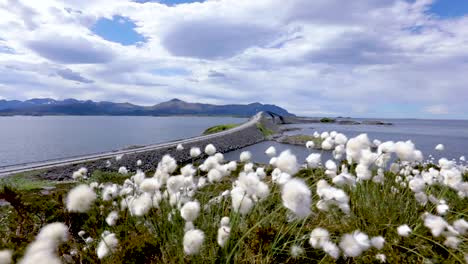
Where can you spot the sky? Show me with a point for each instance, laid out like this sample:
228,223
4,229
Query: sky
363,58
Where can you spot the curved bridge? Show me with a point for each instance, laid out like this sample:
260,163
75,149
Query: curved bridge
277,119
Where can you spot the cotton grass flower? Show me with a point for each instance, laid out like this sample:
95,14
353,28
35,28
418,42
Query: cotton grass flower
112,218
150,185
331,249
461,225
190,211
381,258
318,237
6,256
404,230
297,197
210,149
80,199
377,242
193,241
271,152
439,147
313,160
123,170
107,245
452,242
80,174
435,223
223,235
241,203
195,152
297,251
245,156
179,147
287,162
354,244
310,144
43,249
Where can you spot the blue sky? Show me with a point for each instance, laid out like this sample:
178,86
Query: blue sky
369,58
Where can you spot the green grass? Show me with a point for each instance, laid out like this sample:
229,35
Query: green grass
265,235
219,128
265,131
327,120
26,181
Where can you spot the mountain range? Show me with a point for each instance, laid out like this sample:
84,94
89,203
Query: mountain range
47,106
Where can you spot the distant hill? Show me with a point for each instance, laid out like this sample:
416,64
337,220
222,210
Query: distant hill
49,106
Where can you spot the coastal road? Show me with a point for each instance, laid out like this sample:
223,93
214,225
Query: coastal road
14,169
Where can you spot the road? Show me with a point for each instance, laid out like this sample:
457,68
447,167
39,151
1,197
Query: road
14,169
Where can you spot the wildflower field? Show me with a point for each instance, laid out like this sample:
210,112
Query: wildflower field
376,202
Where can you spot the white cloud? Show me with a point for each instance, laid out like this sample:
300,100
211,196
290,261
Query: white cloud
319,57
437,109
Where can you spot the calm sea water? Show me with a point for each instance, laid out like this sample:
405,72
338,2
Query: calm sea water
426,134
28,139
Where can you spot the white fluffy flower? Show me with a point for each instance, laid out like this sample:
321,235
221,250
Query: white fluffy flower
223,235
112,218
439,147
245,156
381,257
240,201
6,256
296,196
225,221
141,205
296,251
318,237
260,173
80,198
80,174
452,242
210,149
107,245
123,170
150,185
435,223
190,211
331,249
310,144
193,241
287,162
271,152
377,242
179,147
214,176
354,244
42,250
139,163
313,160
195,152
404,230
461,226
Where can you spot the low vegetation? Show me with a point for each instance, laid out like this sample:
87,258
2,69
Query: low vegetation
327,120
265,131
349,210
219,128
300,140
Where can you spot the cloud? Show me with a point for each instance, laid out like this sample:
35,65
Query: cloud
71,49
211,39
375,58
73,76
437,109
